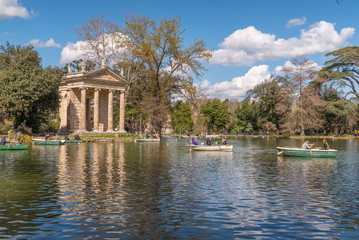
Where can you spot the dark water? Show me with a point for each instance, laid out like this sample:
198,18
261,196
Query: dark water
162,191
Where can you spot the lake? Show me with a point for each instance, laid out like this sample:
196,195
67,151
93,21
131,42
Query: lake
127,190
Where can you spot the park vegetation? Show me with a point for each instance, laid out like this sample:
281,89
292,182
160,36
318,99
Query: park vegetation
160,69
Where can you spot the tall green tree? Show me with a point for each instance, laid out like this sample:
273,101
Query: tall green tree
343,69
28,93
245,114
265,103
181,118
215,115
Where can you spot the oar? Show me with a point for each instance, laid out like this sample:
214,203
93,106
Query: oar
279,153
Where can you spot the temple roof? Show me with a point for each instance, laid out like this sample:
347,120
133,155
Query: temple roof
102,77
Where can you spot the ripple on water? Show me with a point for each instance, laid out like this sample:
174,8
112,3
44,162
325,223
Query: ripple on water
129,190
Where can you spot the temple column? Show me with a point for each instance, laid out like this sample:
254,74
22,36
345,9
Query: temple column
121,125
83,110
96,109
110,111
63,110
68,110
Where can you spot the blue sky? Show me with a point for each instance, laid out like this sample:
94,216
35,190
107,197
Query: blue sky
249,39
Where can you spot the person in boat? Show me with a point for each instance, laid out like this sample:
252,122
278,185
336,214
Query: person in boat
306,145
193,142
224,141
326,145
19,141
57,137
3,141
47,136
209,141
147,136
67,138
154,136
77,137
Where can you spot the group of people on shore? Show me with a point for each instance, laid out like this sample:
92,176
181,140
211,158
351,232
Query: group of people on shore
307,145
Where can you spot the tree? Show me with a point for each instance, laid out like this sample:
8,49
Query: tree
245,114
341,116
265,103
100,39
156,111
215,115
307,101
343,69
181,119
159,50
157,61
28,93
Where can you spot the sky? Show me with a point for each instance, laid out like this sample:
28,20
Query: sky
249,39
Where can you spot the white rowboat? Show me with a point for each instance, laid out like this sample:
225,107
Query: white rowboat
223,148
148,140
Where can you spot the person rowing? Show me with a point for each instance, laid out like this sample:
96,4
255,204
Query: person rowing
306,145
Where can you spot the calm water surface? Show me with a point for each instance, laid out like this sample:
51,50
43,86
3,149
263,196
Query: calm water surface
163,191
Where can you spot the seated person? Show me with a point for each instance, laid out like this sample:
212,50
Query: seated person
77,137
193,142
209,141
147,136
306,145
47,136
3,141
224,141
326,145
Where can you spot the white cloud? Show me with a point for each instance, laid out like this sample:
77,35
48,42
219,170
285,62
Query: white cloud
81,50
12,8
248,46
296,22
239,86
72,51
49,43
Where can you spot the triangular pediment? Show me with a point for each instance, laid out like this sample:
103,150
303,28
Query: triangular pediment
104,73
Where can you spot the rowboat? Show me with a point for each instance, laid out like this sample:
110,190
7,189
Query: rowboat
213,136
48,142
188,137
224,148
13,147
73,141
300,152
148,140
69,140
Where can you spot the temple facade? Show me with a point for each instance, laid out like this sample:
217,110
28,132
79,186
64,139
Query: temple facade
80,91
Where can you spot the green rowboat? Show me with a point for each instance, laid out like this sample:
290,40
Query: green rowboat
73,141
299,152
48,142
13,147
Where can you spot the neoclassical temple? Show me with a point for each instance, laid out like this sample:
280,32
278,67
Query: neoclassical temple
81,90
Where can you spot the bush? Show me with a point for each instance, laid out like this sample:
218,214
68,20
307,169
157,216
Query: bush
5,128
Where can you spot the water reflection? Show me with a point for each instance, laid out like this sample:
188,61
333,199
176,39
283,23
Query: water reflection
162,190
